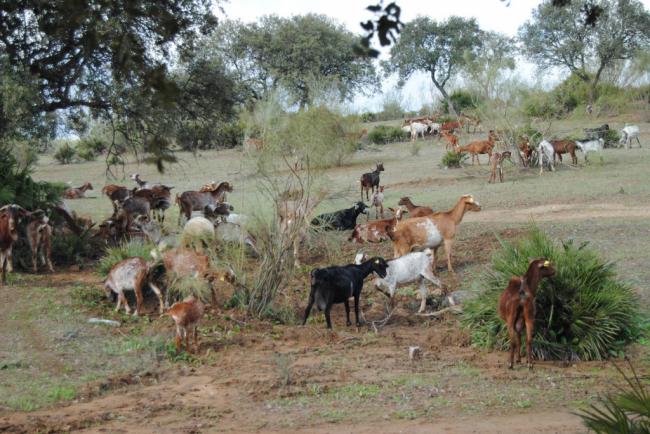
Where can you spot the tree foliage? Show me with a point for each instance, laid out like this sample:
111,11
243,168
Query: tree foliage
294,52
558,37
439,49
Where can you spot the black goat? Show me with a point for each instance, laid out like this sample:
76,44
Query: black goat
337,284
341,220
370,180
217,211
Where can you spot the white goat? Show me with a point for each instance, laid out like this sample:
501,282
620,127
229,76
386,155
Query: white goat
628,133
591,146
415,266
417,128
545,151
434,128
197,229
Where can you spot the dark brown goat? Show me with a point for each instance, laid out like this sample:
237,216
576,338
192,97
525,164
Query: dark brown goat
517,307
9,217
370,181
564,147
414,210
190,201
159,198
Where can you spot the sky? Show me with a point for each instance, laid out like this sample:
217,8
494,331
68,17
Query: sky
494,15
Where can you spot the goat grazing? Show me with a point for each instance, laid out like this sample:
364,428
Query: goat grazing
378,202
341,220
39,236
479,147
432,230
370,180
412,267
496,165
77,193
517,307
375,231
337,284
628,133
197,229
190,201
545,152
186,314
9,218
414,210
131,274
595,145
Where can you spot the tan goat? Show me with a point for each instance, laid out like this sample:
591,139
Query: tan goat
432,231
186,314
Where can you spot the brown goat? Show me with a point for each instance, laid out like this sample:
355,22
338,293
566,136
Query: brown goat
370,180
432,230
452,126
77,193
517,307
414,210
196,201
375,231
9,217
564,147
526,150
186,314
496,165
39,236
479,147
452,140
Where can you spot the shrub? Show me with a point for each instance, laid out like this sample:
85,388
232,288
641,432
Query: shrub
383,134
195,135
65,154
539,105
368,117
462,100
453,159
126,250
612,137
583,313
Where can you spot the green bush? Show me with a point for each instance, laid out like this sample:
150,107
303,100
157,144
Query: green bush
539,105
65,154
583,313
368,117
195,135
612,137
453,159
126,250
462,100
383,134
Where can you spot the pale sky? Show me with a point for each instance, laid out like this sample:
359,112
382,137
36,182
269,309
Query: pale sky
492,15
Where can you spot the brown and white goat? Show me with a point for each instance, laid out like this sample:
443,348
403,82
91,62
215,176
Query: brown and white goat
414,210
9,218
496,165
131,274
39,236
190,201
370,181
432,231
79,192
517,307
378,203
186,314
375,231
478,147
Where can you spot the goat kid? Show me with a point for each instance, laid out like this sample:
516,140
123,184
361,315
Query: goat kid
496,165
414,210
39,236
186,314
336,284
378,203
370,180
375,231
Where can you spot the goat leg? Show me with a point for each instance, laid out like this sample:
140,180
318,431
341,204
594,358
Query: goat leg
346,303
356,310
309,306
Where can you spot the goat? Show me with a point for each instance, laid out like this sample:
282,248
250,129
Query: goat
197,229
293,211
9,219
545,152
564,147
341,220
131,274
628,133
452,140
378,202
595,145
479,147
186,314
39,236
196,201
412,267
375,231
77,193
517,306
414,210
336,284
496,165
140,182
370,180
127,211
217,212
432,230
434,127
525,150
418,129
451,126
116,192
233,233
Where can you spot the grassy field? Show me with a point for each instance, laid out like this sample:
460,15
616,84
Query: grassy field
58,373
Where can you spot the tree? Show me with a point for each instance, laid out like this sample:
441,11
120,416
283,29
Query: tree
292,53
557,37
440,49
486,69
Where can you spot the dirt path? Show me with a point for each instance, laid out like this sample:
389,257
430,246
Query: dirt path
576,211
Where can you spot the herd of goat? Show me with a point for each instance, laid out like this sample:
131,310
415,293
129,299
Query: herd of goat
415,240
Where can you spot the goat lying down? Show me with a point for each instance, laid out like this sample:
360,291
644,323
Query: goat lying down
412,267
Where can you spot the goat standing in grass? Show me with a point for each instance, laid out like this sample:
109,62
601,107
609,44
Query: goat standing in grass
517,307
337,284
496,165
378,203
370,181
588,146
186,314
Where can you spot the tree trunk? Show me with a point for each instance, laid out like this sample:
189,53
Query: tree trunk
444,94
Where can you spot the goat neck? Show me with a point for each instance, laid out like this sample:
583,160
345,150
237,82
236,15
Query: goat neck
531,278
458,211
366,268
